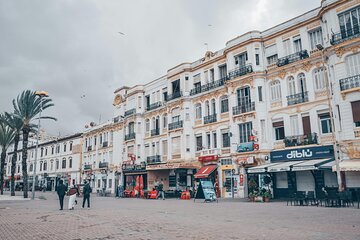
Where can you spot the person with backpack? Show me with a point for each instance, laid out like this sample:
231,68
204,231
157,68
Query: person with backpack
86,194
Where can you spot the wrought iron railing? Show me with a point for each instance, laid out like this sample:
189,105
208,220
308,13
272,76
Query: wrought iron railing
350,82
175,125
155,132
297,98
240,71
299,140
103,164
173,96
244,108
208,86
153,106
153,159
130,136
130,112
345,35
210,119
292,58
87,167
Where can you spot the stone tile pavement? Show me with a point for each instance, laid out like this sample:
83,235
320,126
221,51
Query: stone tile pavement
111,218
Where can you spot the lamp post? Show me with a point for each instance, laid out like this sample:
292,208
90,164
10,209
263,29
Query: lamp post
40,94
321,48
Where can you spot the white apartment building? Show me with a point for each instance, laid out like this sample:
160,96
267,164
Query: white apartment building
283,102
56,159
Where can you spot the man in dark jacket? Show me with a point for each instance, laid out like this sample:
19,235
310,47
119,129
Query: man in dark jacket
86,194
61,191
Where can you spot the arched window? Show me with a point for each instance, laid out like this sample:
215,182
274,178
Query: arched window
71,145
224,104
165,121
31,168
320,78
51,165
302,82
64,147
57,164
41,166
153,123
275,90
291,85
207,108
63,163
147,125
45,166
70,162
198,114
213,106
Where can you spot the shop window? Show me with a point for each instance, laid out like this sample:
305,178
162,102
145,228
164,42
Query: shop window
279,130
325,123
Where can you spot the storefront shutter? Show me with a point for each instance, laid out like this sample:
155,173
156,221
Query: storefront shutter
356,110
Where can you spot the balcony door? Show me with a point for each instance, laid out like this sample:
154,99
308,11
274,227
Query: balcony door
131,127
306,125
349,23
157,123
240,60
302,83
243,96
176,86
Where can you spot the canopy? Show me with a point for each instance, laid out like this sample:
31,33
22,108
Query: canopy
284,166
327,165
261,168
205,171
348,165
310,164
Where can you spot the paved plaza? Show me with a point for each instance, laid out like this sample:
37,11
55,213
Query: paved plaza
111,218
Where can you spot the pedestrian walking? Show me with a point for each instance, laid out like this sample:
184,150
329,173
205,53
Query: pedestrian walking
86,194
161,190
61,191
73,191
120,190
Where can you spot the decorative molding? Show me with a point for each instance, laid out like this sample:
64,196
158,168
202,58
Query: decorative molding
117,100
340,51
306,66
350,4
313,25
244,116
290,34
351,150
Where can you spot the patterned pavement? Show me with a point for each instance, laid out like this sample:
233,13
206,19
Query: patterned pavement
111,218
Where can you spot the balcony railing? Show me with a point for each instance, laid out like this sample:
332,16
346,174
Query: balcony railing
153,106
240,71
105,144
297,98
175,125
350,82
292,58
89,148
155,132
208,86
129,136
345,35
153,159
130,112
87,167
173,96
103,164
300,140
244,108
210,119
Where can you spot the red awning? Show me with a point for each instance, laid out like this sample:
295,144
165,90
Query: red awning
205,171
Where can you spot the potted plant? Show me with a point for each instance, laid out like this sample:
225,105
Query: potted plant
252,196
266,195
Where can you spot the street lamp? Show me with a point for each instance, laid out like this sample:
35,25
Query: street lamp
321,48
41,94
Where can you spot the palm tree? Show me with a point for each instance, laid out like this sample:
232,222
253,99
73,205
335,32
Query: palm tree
27,106
7,136
16,124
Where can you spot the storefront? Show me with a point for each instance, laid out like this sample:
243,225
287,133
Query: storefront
132,172
209,171
301,169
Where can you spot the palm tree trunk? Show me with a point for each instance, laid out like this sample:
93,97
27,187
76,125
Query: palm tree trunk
3,156
13,164
24,163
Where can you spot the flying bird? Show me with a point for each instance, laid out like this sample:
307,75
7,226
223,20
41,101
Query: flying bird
121,33
82,96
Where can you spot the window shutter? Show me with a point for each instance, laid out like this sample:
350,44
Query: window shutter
356,110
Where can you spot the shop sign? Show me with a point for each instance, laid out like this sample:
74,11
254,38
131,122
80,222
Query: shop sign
133,167
170,166
209,158
246,160
302,154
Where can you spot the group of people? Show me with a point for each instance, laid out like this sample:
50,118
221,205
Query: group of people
62,190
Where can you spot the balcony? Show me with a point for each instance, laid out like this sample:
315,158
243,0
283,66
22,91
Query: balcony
208,86
116,119
244,108
153,159
130,112
300,140
297,98
103,164
89,148
105,144
129,136
173,96
210,119
87,167
155,132
350,82
175,125
345,35
240,71
153,106
292,58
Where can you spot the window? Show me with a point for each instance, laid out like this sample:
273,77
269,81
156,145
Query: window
198,111
222,71
208,138
263,131
199,144
320,78
294,124
356,113
51,165
286,44
214,139
224,104
349,22
64,147
275,90
291,85
260,93
165,147
353,65
71,145
18,169
52,149
45,166
70,162
240,60
245,131
41,166
63,163
207,108
279,130
257,59
99,183
325,123
272,59
297,44
315,38
147,125
302,82
46,151
212,76
165,121
176,145
31,168
225,138
213,107
271,54
110,183
41,152
57,164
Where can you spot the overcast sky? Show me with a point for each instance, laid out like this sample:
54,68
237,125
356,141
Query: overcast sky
72,48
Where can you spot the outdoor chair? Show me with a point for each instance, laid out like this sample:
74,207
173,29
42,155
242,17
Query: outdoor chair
321,198
300,198
349,198
333,198
290,199
310,198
